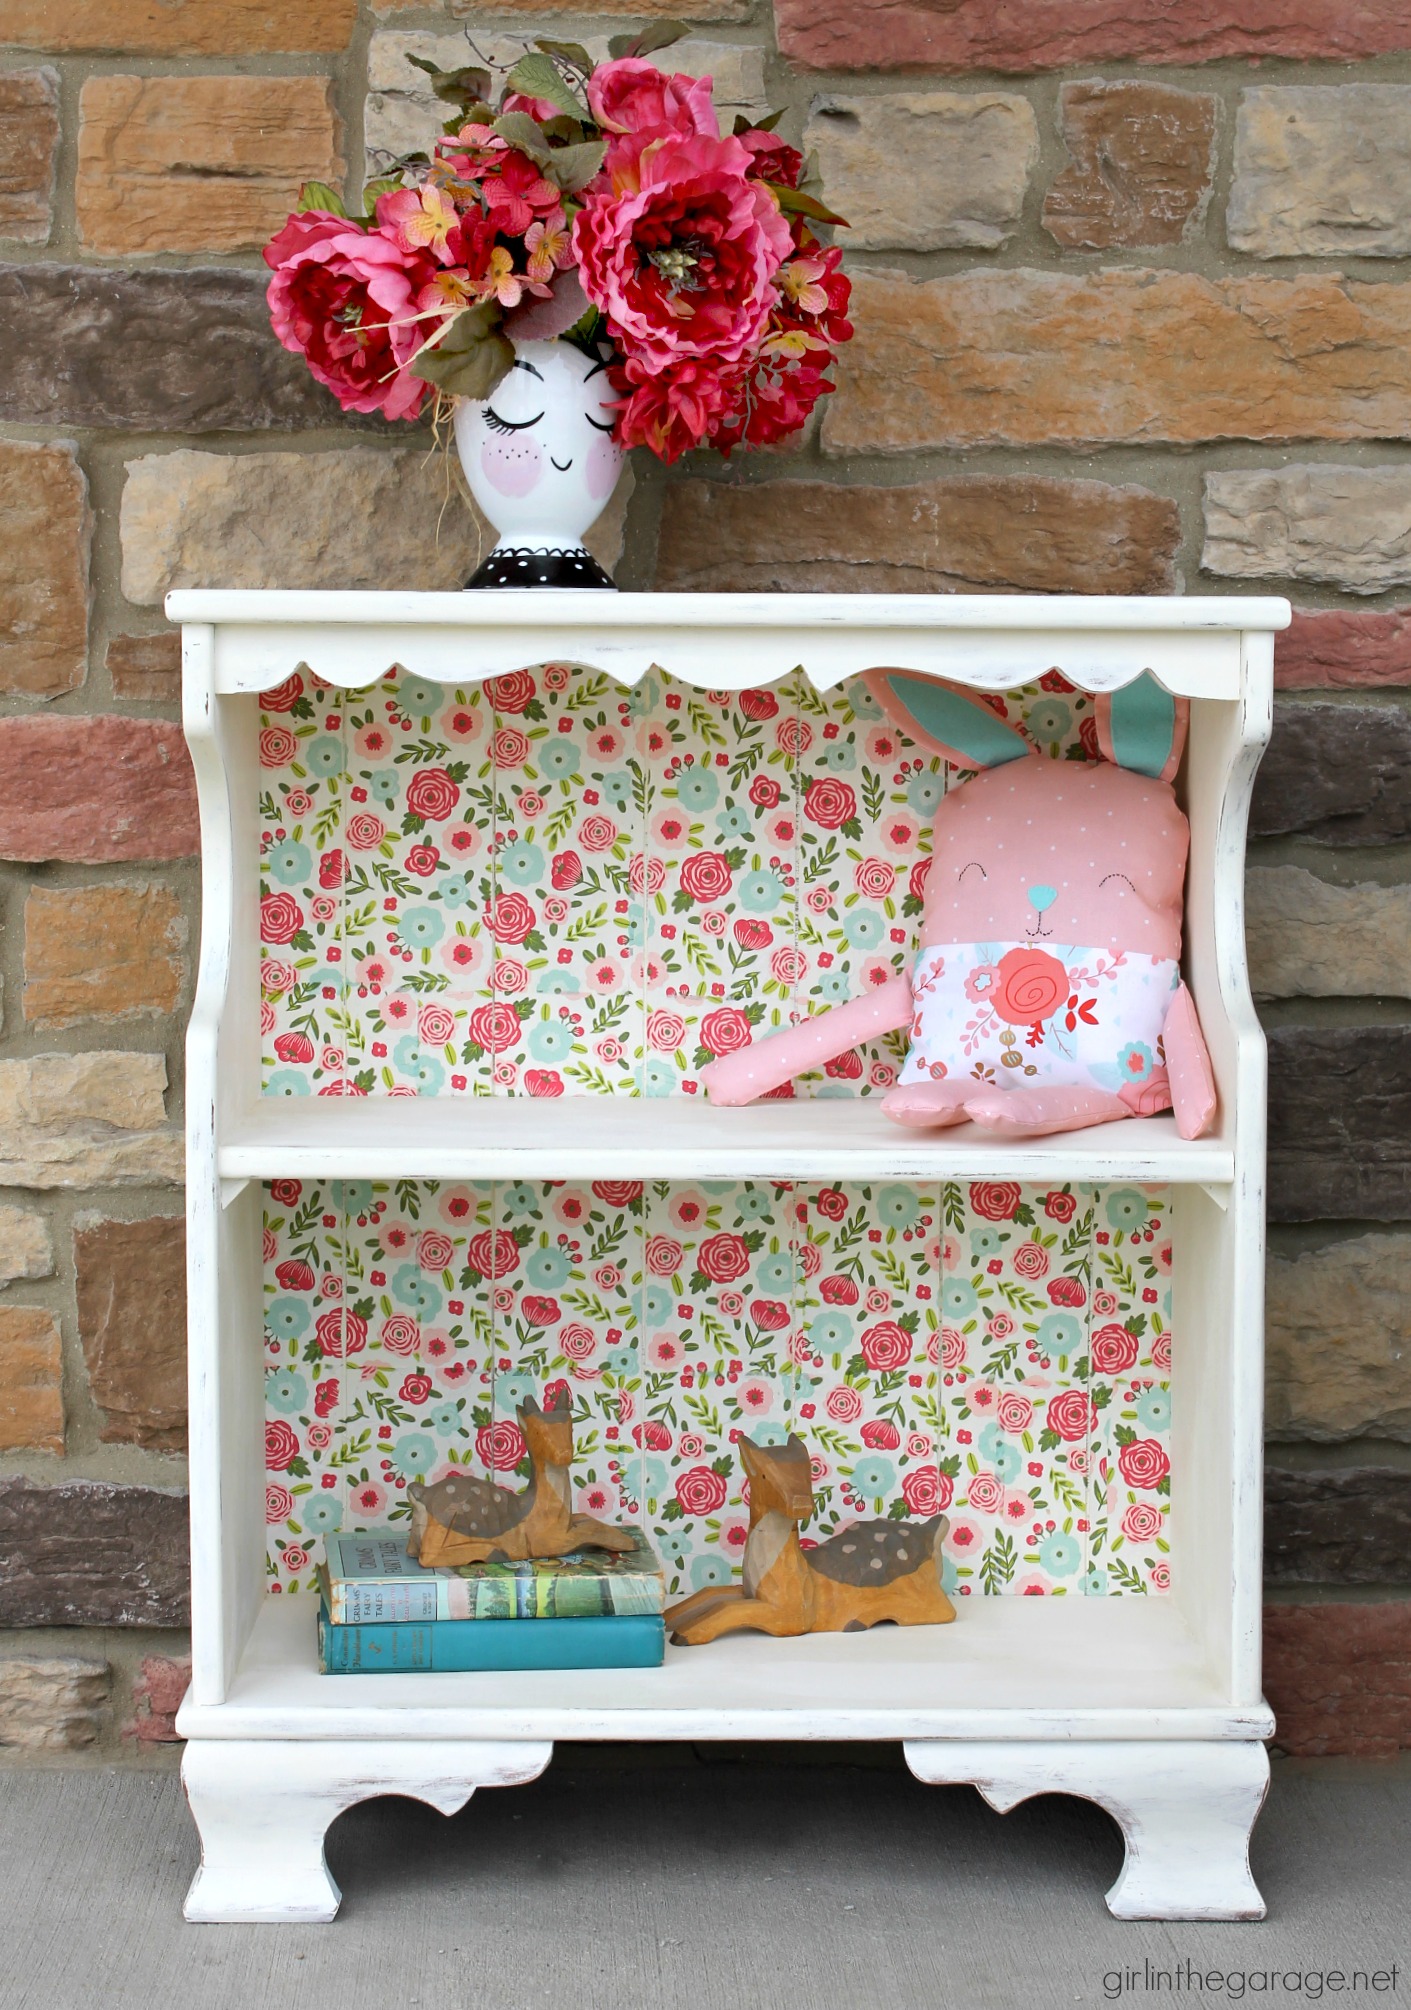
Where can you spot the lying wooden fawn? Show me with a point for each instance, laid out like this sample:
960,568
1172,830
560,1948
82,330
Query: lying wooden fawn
873,1571
463,1519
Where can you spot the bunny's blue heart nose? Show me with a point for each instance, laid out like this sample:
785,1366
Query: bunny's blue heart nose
1043,896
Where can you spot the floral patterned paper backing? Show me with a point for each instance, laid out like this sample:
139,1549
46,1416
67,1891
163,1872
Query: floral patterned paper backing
1002,1353
550,885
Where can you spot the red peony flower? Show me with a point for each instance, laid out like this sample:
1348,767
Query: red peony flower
1070,1414
401,1334
330,870
494,1027
565,870
364,831
1143,1463
344,297
1141,1522
764,792
632,96
880,1435
759,705
832,1203
875,878
652,1436
1060,1207
500,1445
432,793
771,1315
1014,1412
886,1347
926,1491
986,1494
995,1199
751,933
664,1257
916,882
543,1082
279,1503
723,1258
838,1291
829,803
434,1250
294,1047
511,917
422,859
1031,1260
283,697
1114,1350
436,1025
281,1445
512,692
726,1030
277,745
700,1491
705,875
1031,985
1066,1291
281,918
286,1192
617,1192
540,1311
494,1253
295,1275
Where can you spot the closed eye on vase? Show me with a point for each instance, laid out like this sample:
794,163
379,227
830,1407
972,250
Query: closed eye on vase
499,425
601,425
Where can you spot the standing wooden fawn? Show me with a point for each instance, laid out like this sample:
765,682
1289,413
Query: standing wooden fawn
464,1519
873,1571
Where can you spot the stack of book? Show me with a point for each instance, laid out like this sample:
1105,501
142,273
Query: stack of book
383,1612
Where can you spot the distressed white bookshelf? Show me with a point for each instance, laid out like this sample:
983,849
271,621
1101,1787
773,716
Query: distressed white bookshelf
1151,1707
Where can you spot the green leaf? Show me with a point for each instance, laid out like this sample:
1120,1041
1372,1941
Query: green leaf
473,355
569,52
384,185
765,125
572,168
660,35
537,76
318,195
521,131
455,87
801,204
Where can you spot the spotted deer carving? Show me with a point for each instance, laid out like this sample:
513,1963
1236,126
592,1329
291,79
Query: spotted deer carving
873,1571
464,1519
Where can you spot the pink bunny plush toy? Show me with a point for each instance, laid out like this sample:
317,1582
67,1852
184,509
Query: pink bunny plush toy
1047,994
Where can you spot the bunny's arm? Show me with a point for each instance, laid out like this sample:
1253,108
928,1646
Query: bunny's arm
1188,1066
754,1071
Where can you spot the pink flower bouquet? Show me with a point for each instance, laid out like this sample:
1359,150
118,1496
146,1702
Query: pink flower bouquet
601,203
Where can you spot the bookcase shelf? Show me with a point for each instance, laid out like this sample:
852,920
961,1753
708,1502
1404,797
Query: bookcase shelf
1149,1703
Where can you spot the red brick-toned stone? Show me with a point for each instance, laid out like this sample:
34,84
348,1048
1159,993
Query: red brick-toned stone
43,569
156,1698
198,163
1324,648
132,1322
29,141
1141,156
1119,356
145,669
95,788
178,27
1339,1678
1020,35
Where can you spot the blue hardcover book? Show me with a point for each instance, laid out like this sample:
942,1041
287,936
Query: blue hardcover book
454,1645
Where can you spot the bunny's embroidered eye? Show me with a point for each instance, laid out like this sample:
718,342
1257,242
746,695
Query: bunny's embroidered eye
499,425
1115,875
974,866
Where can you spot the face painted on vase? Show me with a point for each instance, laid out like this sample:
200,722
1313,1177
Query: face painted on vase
539,454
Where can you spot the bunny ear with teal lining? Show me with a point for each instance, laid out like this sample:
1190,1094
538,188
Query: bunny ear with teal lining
956,724
1142,727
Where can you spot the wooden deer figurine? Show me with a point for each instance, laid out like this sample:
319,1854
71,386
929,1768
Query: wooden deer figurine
463,1519
873,1571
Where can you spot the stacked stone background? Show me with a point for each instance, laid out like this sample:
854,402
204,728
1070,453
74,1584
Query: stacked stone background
1134,315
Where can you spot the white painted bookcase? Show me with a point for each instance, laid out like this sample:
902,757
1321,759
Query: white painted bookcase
1149,1706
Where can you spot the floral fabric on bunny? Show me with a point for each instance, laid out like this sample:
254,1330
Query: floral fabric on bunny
1017,1015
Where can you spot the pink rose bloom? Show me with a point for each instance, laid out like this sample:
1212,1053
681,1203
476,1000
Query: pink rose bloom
343,298
632,96
680,250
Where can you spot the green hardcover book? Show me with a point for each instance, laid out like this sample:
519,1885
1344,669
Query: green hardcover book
371,1581
456,1645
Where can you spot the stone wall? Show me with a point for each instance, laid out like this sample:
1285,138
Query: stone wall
1133,307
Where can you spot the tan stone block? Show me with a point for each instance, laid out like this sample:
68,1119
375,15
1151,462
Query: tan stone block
29,144
352,518
1350,527
26,1249
112,951
43,569
132,1322
51,1704
1140,161
31,1380
636,10
199,164
145,669
925,170
179,27
984,533
1322,172
1338,1324
403,115
1123,356
76,1120
1307,938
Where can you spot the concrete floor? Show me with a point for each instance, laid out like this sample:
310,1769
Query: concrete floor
724,1880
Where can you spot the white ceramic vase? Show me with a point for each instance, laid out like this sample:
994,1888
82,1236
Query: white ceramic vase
541,463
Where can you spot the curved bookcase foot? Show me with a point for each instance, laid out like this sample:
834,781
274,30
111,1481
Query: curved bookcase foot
1185,1811
263,1808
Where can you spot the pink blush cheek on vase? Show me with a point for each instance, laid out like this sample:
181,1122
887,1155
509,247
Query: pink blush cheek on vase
602,469
512,467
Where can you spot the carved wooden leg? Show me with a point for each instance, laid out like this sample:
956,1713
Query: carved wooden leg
691,1608
262,1808
1185,1811
740,1615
